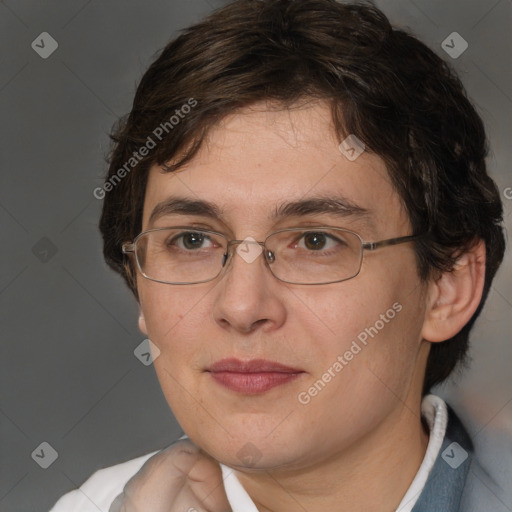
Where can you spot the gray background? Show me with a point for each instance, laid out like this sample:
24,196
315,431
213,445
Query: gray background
69,376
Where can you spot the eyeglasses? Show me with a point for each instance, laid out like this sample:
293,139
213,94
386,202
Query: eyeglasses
313,255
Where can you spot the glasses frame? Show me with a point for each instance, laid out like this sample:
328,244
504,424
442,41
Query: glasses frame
130,248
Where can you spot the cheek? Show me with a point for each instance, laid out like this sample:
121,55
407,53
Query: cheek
172,318
393,358
374,326
164,308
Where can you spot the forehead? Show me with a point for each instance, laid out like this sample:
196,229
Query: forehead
257,161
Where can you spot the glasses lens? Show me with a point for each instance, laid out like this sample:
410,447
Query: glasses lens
180,256
315,256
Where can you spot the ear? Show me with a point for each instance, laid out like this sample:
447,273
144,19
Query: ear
455,296
142,323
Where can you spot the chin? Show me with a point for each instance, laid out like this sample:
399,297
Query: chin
249,454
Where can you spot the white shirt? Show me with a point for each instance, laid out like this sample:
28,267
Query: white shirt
100,490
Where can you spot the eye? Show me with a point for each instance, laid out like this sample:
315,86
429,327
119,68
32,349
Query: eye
190,240
317,240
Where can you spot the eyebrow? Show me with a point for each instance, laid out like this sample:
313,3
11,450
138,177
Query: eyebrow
337,206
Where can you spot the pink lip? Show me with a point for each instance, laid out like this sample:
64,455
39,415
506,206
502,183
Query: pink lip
251,377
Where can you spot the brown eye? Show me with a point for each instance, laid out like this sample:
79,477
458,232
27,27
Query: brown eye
315,241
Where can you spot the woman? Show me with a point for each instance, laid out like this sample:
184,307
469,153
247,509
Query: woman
299,202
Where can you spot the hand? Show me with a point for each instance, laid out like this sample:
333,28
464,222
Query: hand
180,478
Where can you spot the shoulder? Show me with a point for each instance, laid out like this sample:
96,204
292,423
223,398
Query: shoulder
481,489
459,481
100,490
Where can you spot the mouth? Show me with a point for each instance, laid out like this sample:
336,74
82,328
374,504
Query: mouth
252,377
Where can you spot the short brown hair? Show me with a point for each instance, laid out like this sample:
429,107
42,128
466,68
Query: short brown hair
382,84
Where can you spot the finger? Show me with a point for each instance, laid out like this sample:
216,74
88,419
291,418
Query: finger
178,478
169,465
197,476
192,497
158,482
205,482
188,501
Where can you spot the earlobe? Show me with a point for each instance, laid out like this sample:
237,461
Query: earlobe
455,296
142,323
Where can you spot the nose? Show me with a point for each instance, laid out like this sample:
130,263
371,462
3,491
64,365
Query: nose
248,296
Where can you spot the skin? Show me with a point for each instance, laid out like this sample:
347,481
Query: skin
179,478
365,423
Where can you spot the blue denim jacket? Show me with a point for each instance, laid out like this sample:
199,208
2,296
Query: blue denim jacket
457,482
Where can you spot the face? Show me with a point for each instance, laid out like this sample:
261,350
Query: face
352,350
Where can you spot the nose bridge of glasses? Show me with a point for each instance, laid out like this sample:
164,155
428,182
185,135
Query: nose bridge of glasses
268,255
247,240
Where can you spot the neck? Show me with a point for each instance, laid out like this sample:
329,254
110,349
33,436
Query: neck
374,475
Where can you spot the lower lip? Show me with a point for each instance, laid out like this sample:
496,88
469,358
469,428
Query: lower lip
253,383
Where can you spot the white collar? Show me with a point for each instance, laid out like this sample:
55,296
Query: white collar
435,412
433,409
